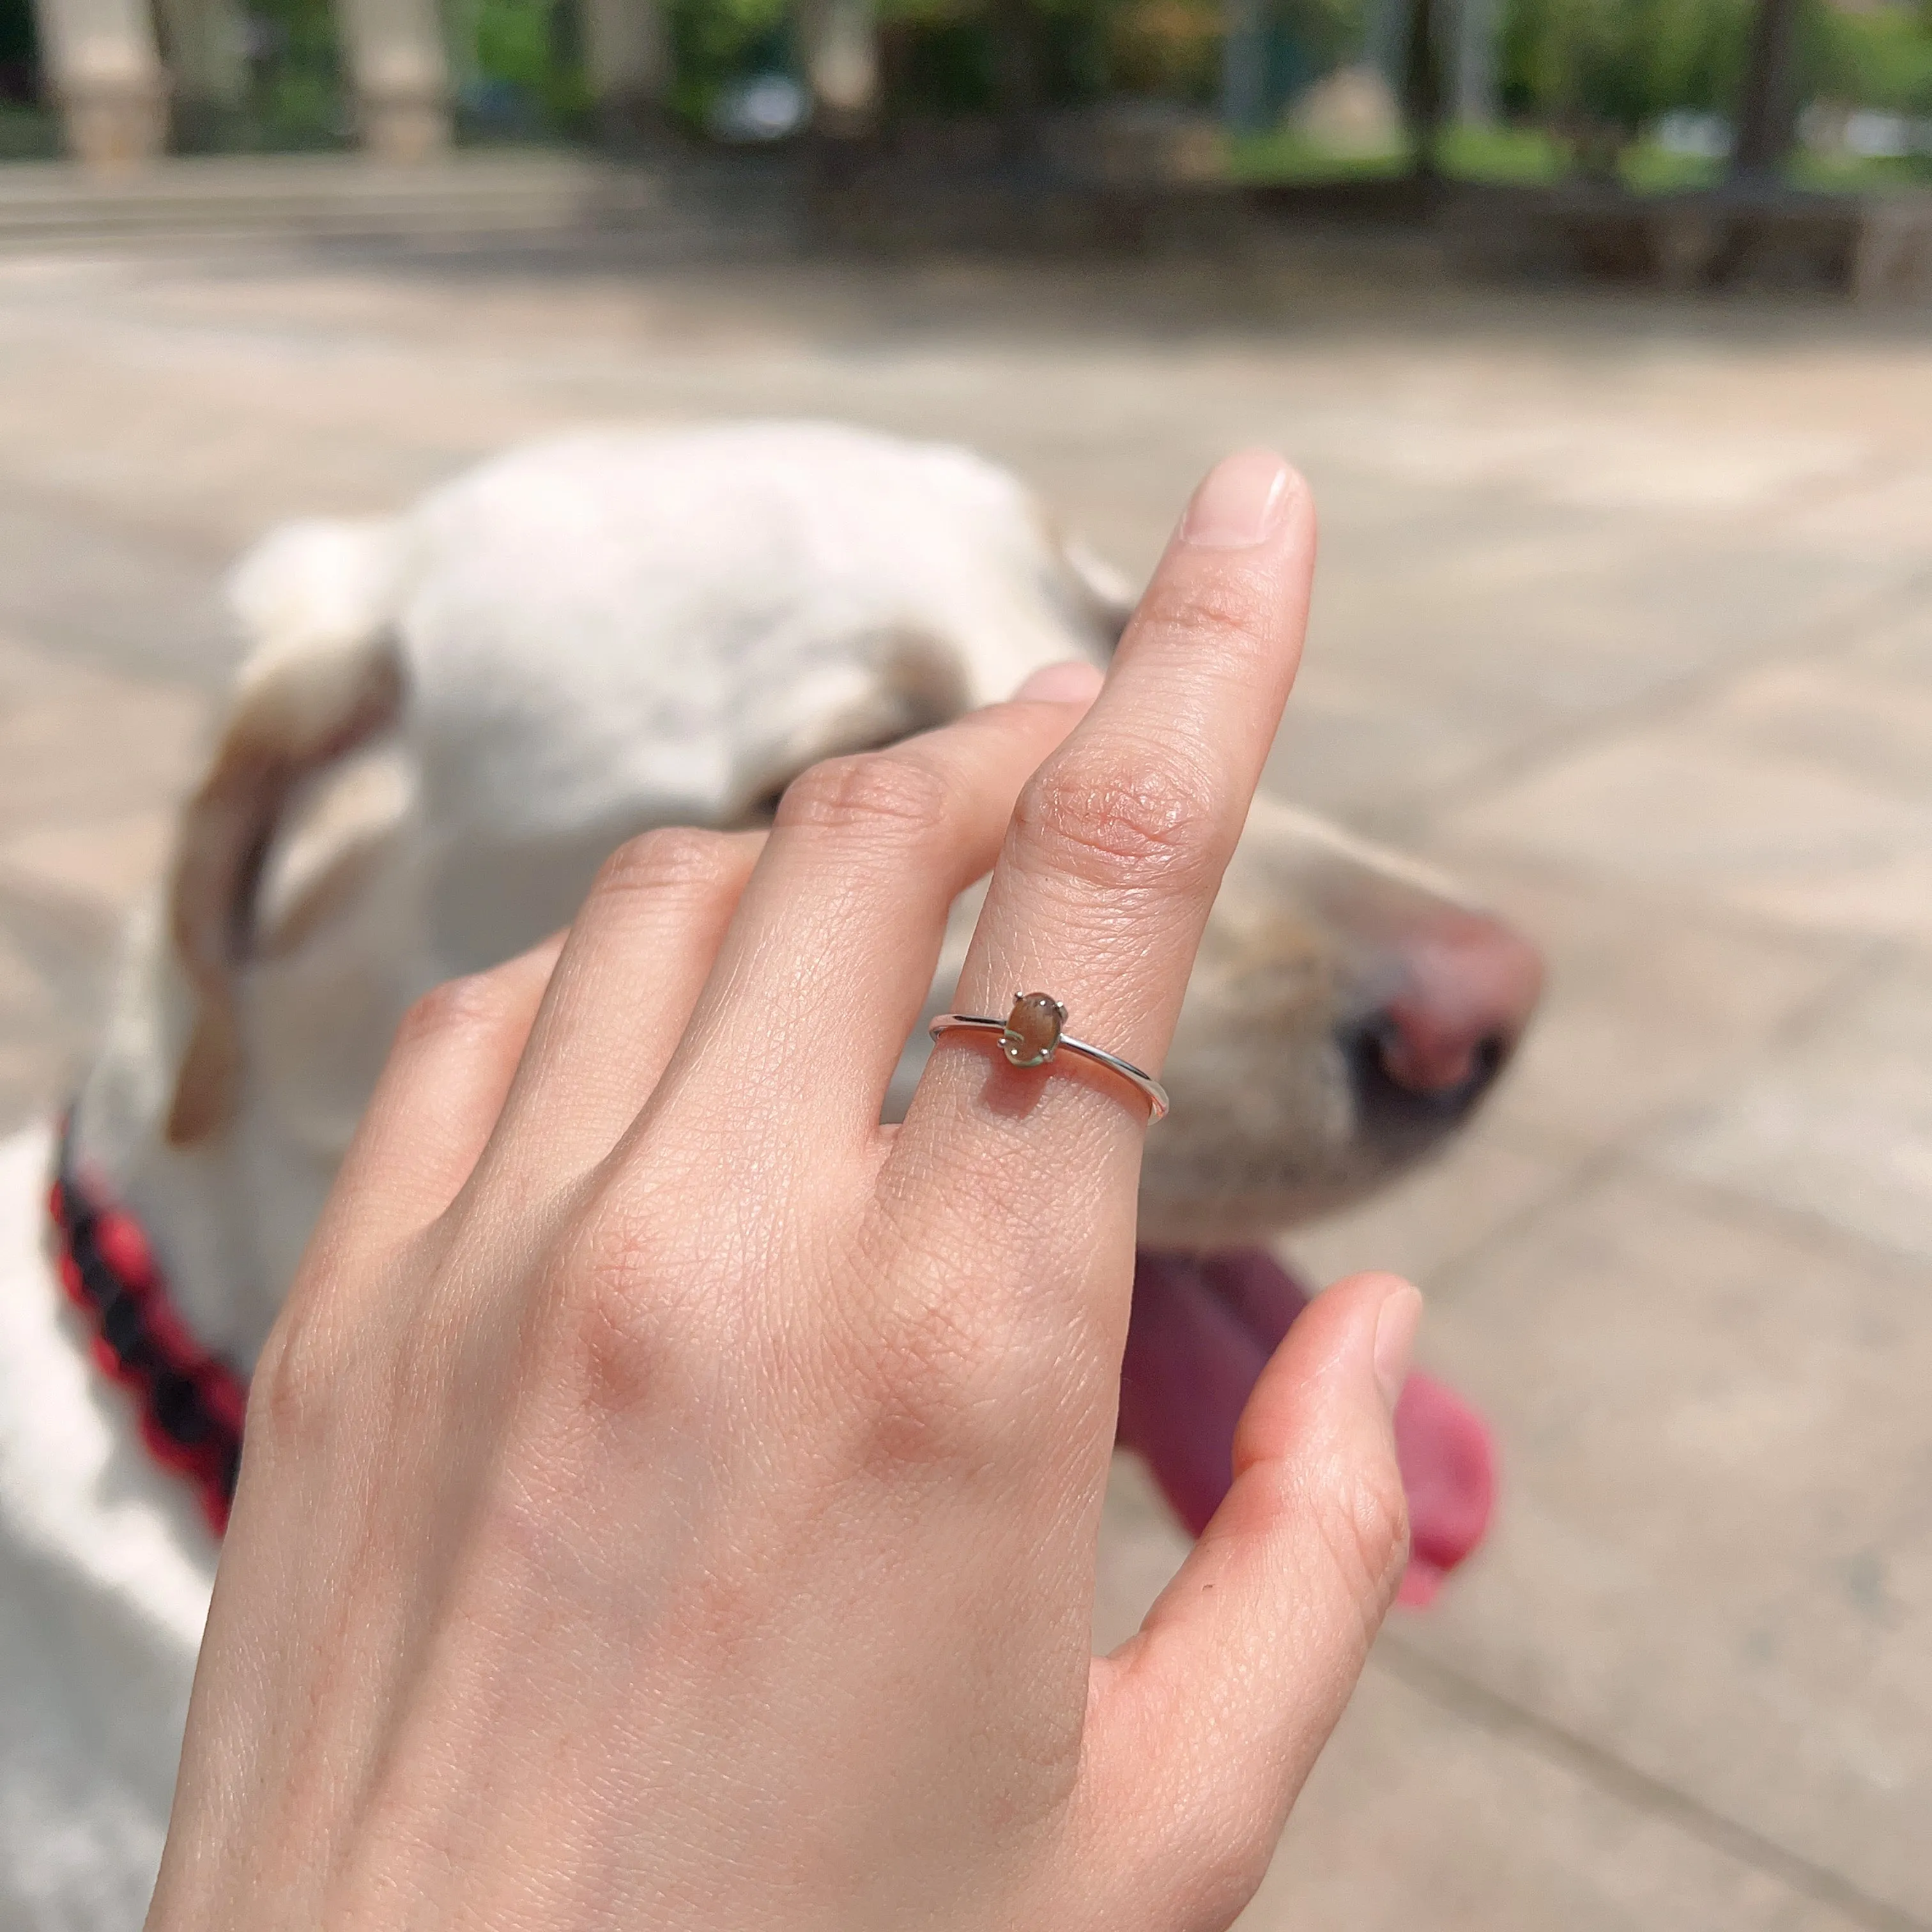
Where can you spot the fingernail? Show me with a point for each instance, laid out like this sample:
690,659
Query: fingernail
1241,502
1396,1324
1072,683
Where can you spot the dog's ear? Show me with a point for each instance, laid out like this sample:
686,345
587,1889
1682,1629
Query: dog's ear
875,692
325,678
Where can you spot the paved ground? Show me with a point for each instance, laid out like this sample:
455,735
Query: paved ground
1626,612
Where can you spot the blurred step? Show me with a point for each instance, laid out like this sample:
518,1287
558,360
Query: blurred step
724,206
1873,247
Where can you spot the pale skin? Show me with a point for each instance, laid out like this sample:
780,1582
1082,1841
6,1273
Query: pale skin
671,1496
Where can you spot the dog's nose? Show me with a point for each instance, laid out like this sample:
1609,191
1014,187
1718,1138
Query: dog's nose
1468,985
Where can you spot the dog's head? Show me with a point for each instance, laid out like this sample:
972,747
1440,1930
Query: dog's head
449,720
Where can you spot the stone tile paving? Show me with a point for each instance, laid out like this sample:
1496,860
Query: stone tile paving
1626,614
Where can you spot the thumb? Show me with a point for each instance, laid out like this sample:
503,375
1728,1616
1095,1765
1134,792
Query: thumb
1204,1725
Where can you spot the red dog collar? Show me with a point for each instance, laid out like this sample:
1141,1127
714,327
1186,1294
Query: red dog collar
1211,1322
191,1403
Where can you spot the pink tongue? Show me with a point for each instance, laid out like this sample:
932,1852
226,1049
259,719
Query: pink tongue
1202,1328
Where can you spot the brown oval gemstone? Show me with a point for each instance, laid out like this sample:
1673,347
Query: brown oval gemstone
1033,1029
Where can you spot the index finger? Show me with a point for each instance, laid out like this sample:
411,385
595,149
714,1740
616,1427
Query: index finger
1112,860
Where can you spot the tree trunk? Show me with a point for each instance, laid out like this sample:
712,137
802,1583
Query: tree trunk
1767,114
208,53
627,63
1422,89
1016,80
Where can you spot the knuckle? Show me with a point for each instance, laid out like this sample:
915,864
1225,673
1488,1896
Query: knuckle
1119,821
608,1321
681,860
1363,1521
877,793
925,1373
927,1396
474,1004
294,1389
1224,613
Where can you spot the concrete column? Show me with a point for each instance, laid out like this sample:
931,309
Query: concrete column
399,69
208,57
103,68
627,62
840,41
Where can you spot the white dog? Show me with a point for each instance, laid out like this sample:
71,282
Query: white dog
446,722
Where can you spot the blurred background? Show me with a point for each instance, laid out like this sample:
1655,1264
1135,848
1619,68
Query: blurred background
1655,93
1601,327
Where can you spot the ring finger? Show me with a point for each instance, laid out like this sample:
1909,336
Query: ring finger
1112,862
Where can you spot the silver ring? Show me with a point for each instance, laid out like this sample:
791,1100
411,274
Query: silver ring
1032,1033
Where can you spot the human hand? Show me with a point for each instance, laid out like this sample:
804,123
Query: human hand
670,1495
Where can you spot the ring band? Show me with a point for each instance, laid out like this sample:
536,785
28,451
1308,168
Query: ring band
1031,1034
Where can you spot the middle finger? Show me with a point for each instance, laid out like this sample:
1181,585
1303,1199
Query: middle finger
829,958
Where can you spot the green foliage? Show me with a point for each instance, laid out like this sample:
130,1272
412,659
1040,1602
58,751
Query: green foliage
1521,155
1882,59
1284,155
1621,62
1624,62
17,37
1328,32
1855,173
939,59
298,103
514,41
715,41
1528,155
526,72
1651,169
305,33
28,133
945,56
1168,49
